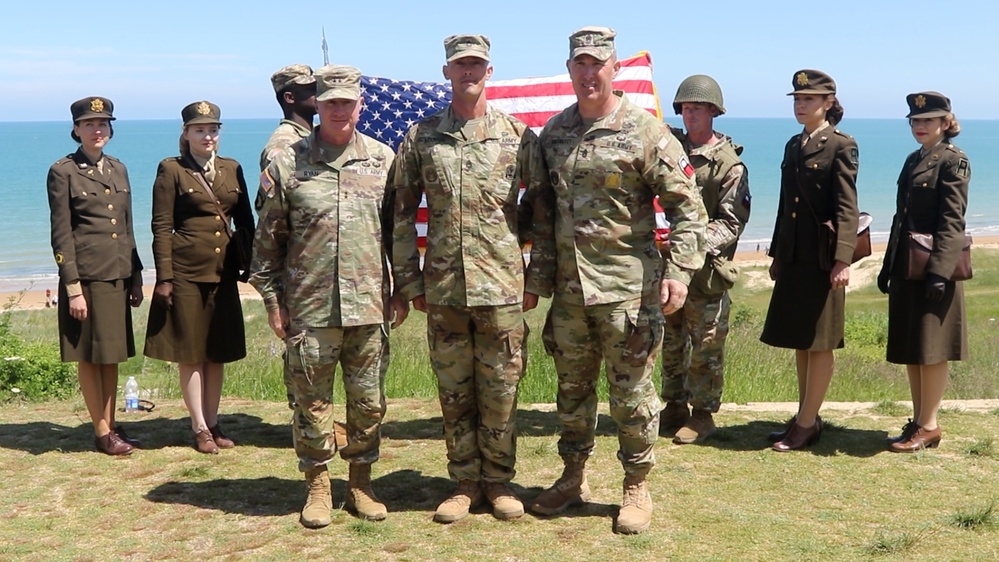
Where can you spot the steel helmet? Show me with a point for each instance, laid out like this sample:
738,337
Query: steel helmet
699,88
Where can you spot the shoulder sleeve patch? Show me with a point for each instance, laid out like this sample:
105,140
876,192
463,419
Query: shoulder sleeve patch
266,182
855,155
963,168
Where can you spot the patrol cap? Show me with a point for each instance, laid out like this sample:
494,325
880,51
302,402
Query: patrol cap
458,46
338,81
808,81
94,107
292,74
200,113
595,41
928,104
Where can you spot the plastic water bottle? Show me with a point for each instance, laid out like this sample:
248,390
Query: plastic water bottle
131,395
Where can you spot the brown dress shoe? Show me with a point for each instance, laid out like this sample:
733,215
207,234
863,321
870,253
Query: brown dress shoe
120,432
204,443
908,430
112,445
799,437
780,435
921,439
220,439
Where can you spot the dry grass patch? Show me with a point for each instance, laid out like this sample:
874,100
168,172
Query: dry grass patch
728,499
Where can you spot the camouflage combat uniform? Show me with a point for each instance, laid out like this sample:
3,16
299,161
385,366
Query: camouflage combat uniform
605,270
286,134
472,276
320,253
694,339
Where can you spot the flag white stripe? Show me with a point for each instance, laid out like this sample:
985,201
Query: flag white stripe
540,104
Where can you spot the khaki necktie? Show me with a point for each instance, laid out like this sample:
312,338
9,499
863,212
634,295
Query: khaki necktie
210,170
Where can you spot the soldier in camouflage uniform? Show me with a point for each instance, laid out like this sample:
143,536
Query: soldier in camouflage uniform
467,160
321,267
694,339
607,159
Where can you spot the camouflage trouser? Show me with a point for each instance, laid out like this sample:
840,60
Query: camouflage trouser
694,352
478,356
312,358
627,336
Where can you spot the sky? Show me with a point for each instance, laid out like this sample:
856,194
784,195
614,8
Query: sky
152,58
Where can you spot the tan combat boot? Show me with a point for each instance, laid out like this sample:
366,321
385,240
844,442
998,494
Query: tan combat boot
360,498
339,435
505,503
636,507
697,429
673,416
456,507
319,502
570,489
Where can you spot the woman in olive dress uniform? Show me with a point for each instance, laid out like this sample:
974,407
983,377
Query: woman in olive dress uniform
90,202
811,260
926,321
196,319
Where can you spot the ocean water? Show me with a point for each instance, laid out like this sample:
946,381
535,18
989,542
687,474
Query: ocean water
30,148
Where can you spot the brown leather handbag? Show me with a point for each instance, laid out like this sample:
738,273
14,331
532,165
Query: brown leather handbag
920,248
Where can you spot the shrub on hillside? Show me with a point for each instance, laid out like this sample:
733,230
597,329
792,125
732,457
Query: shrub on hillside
31,371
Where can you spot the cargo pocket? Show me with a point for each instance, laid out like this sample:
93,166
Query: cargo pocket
548,334
303,355
645,335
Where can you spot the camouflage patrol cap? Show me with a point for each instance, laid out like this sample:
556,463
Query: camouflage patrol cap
699,88
595,41
808,81
94,107
458,46
201,113
292,74
928,104
338,81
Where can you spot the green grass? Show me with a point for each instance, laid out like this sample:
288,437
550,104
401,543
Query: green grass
975,518
731,498
754,372
984,447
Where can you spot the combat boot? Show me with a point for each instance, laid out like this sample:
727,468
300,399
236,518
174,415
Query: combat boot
636,507
570,489
456,507
319,502
673,416
697,429
505,503
339,435
360,498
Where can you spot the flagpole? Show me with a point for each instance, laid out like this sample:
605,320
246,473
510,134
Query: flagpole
326,52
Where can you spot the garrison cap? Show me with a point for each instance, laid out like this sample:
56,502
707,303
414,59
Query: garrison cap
338,81
292,74
808,81
200,113
94,107
928,104
595,41
458,46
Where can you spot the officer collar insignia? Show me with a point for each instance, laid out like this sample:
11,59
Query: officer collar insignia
204,109
802,79
97,105
920,101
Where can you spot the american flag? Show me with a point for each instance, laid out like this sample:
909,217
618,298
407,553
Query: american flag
393,106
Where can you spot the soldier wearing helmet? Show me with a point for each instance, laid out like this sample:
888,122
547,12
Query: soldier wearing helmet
694,339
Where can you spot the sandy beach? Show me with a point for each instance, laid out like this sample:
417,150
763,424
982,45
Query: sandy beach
863,273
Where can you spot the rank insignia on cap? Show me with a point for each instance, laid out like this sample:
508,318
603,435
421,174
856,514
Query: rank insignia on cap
204,109
97,105
802,79
920,101
688,170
